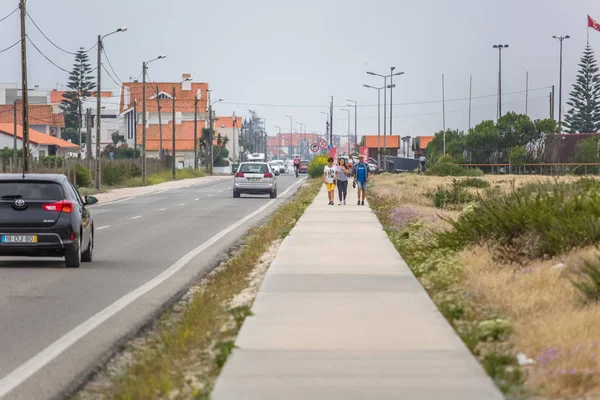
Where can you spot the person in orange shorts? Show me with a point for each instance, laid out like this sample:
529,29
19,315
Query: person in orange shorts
329,178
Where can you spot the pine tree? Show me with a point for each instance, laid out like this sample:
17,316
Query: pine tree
584,115
81,85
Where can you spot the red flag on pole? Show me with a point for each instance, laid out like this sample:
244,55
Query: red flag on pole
593,24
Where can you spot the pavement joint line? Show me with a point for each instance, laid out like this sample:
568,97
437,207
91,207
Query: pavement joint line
182,204
210,195
26,370
136,217
103,227
197,199
161,209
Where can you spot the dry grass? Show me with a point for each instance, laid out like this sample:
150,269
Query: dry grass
551,323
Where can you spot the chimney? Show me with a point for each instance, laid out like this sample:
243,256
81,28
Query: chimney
186,85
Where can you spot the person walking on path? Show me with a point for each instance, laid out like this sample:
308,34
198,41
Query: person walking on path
361,177
329,177
422,161
342,180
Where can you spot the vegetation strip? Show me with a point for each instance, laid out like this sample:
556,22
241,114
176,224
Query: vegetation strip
505,260
184,351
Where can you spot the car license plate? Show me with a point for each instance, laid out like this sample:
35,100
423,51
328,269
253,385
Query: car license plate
19,238
253,179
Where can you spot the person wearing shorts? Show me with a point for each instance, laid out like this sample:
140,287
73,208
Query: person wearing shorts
329,178
361,177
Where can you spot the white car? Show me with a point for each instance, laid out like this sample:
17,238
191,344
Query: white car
254,178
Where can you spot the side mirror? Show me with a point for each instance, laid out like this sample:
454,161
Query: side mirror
89,200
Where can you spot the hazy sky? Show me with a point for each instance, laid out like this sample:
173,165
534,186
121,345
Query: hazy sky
287,57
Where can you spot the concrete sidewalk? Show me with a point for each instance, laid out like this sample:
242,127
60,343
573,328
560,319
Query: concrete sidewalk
341,317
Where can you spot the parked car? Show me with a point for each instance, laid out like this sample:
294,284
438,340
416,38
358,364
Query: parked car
303,166
275,167
43,215
254,178
280,165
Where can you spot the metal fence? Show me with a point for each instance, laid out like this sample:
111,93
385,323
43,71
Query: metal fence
539,169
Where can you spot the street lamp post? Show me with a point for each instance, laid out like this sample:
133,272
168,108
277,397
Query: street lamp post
210,130
99,101
279,147
560,39
500,47
348,135
144,69
378,121
291,135
355,118
385,85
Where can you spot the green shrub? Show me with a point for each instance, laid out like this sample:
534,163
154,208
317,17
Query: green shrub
452,195
113,174
589,284
446,167
538,220
317,166
477,183
83,176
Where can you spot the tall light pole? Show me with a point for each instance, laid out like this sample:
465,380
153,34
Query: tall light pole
300,141
291,135
326,123
210,131
348,135
355,118
385,85
378,121
500,47
560,39
144,70
99,100
279,147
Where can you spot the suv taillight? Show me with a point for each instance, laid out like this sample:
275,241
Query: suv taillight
64,205
239,175
268,175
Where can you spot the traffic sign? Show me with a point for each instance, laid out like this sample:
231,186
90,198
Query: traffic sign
112,155
324,151
314,147
322,143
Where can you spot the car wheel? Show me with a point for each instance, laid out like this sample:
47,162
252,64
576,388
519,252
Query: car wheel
73,257
236,194
273,194
87,255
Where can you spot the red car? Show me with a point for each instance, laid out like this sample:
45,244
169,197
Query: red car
303,166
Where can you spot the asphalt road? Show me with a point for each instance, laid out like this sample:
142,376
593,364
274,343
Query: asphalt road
58,324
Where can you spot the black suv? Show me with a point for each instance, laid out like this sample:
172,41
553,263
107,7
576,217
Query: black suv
43,215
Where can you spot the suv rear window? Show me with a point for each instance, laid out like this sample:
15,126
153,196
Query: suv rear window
254,168
30,190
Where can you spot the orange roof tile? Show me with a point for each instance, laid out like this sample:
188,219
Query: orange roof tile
391,141
227,122
39,114
184,136
56,96
424,141
184,99
37,137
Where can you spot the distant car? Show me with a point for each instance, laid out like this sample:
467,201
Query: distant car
275,167
43,215
280,165
303,166
254,178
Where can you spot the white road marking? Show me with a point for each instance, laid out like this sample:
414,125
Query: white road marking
197,199
182,204
103,227
210,195
136,217
161,209
44,357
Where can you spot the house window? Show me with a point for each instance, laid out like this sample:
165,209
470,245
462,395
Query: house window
162,96
42,153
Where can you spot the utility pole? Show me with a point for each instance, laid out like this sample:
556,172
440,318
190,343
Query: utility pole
174,150
552,97
210,138
470,98
25,92
526,92
391,114
444,112
88,133
196,133
331,121
160,144
98,111
144,124
500,47
135,116
15,152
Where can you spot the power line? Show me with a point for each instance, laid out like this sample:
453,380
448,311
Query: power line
11,46
111,67
14,11
109,75
51,62
54,44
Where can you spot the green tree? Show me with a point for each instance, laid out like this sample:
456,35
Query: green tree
584,115
483,142
517,156
81,85
515,130
587,151
455,145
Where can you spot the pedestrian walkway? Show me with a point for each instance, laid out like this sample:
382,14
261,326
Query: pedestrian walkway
341,317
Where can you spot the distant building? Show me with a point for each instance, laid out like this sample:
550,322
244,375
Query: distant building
44,118
419,145
9,92
229,127
373,142
40,144
280,145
